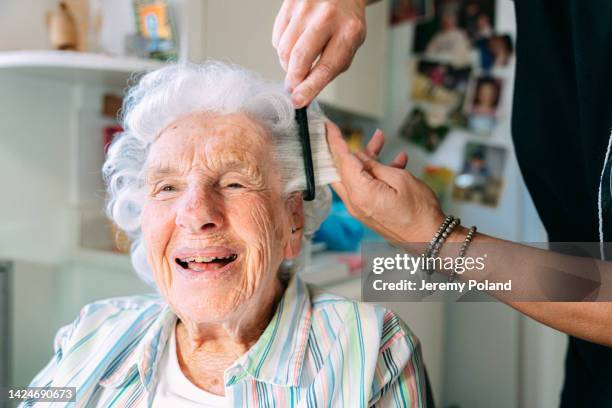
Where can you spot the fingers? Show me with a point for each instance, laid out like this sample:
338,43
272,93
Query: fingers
335,140
305,52
335,59
374,147
282,20
287,41
400,161
339,148
358,168
306,30
348,165
375,144
387,174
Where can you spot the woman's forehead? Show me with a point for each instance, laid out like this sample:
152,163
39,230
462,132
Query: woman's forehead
206,125
209,133
212,139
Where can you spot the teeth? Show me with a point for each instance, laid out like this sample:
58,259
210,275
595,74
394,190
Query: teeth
206,259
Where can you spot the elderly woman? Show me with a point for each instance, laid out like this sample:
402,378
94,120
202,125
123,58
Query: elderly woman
207,180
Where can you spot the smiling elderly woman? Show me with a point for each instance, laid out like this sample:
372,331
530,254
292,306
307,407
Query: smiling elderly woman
207,180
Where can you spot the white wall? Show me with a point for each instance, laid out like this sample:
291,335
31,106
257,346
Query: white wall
35,134
22,24
35,131
35,318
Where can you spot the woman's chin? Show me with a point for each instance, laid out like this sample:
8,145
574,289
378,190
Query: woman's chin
206,293
208,308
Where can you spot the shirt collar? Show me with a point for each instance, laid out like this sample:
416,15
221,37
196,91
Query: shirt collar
277,357
146,354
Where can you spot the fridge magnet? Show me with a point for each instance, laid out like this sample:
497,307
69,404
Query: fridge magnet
439,83
418,129
156,27
483,106
495,51
403,11
481,177
440,180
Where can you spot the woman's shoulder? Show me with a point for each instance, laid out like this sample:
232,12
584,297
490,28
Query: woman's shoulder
107,317
354,336
343,312
102,339
119,308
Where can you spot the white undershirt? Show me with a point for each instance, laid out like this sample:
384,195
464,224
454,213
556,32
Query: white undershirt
174,389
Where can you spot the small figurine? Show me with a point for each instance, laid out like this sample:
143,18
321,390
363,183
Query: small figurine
62,28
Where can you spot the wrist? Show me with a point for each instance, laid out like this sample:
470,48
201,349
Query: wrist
414,238
423,231
458,235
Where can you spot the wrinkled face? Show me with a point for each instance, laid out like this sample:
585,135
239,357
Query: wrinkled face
215,224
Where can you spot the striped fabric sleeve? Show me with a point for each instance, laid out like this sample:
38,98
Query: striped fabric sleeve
399,379
45,377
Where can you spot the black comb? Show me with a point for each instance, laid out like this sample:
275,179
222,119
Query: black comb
302,121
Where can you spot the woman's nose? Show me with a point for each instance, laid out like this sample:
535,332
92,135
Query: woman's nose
199,212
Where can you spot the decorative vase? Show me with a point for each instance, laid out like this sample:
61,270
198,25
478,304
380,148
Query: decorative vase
62,28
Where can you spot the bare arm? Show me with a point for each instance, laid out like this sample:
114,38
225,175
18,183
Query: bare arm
405,211
534,272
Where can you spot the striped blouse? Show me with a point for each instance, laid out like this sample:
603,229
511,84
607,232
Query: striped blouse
319,350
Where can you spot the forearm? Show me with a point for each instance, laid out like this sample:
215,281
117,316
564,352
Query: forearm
538,274
591,321
406,212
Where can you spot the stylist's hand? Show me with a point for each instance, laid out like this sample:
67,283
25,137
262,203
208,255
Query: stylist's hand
307,29
388,199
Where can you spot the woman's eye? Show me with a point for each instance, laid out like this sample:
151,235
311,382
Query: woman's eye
168,188
235,185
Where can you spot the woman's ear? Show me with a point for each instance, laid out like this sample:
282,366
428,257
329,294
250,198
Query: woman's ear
295,210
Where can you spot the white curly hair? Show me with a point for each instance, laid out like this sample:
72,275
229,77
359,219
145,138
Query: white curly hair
164,95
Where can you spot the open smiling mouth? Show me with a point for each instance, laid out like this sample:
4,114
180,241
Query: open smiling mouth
204,264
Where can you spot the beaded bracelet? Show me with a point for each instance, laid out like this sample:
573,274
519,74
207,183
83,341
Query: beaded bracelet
445,223
438,245
463,250
447,227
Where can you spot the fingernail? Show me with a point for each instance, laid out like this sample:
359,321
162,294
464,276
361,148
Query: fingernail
298,100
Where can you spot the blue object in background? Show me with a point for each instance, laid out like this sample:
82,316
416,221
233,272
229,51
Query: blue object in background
486,56
340,231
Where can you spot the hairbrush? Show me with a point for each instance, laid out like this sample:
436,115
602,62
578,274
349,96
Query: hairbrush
302,121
